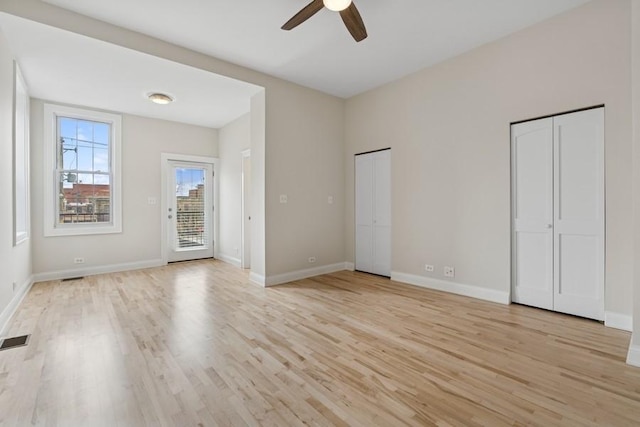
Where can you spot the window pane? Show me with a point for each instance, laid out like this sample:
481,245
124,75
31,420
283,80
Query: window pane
85,130
191,216
85,201
69,151
101,133
67,127
85,157
100,159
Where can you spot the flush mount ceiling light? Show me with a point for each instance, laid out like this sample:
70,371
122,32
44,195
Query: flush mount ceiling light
160,98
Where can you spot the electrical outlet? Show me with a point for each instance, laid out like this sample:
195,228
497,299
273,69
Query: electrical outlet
312,259
449,272
78,260
330,200
284,198
428,267
236,250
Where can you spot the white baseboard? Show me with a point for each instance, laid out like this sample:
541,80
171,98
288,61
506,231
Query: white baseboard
91,271
257,278
633,357
10,309
280,279
452,287
618,321
230,260
349,266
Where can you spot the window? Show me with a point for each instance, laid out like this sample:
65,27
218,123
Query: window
20,158
82,158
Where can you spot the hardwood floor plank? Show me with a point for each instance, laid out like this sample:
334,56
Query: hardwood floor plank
197,344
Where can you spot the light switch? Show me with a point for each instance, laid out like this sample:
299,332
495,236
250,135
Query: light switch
283,198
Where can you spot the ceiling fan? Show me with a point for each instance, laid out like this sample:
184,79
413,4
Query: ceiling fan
348,12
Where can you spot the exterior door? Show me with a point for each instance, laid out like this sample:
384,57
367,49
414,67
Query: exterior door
373,212
189,211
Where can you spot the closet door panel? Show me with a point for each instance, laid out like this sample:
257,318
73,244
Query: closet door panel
382,213
579,213
532,187
364,213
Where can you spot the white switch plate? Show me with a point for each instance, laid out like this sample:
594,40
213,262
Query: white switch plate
428,267
283,198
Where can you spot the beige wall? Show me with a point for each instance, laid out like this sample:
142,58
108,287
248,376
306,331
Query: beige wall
304,160
299,122
15,262
449,126
143,140
234,138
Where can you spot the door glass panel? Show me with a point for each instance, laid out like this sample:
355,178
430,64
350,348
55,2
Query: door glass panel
192,220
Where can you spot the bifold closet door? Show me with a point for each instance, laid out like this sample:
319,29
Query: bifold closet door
558,213
373,212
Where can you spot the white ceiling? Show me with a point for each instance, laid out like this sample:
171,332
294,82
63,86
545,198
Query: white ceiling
69,68
404,36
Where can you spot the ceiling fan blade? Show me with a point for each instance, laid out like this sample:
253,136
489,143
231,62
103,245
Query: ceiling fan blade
307,12
354,23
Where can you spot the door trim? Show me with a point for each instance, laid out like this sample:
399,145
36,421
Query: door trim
165,158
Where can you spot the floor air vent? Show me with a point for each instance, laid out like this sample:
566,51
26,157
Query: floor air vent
14,342
72,278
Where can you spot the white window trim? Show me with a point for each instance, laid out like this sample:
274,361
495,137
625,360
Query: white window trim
51,226
20,90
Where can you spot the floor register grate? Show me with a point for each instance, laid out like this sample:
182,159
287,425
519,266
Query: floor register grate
14,342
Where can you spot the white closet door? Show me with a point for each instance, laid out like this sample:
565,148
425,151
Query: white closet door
532,186
579,213
382,213
364,213
373,212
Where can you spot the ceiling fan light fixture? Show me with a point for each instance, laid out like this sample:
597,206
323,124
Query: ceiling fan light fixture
160,98
336,5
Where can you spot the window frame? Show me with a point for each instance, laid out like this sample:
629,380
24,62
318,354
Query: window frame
52,227
21,226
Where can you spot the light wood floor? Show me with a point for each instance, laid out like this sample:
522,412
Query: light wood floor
196,344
